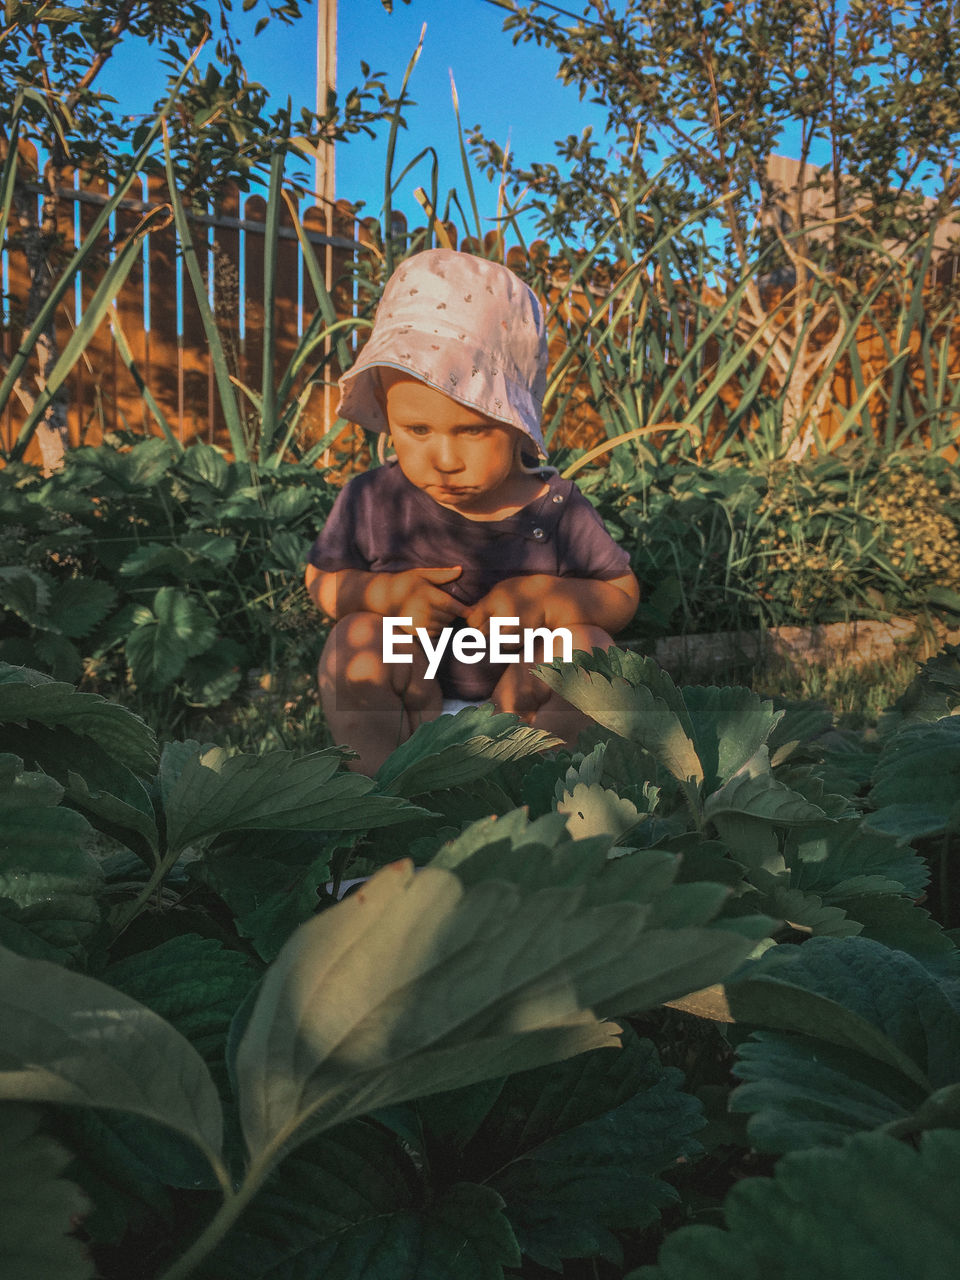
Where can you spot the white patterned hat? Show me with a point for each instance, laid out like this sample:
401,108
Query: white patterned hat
465,326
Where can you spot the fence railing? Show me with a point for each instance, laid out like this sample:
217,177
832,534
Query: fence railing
161,322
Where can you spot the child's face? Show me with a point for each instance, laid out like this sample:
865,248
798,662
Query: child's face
461,458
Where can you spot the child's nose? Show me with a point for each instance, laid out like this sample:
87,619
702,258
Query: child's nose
446,456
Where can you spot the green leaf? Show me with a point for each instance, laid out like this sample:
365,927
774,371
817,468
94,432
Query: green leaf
269,880
77,605
890,1006
178,628
49,880
753,792
211,678
576,1149
902,925
595,810
805,911
802,722
38,1208
194,983
846,858
70,1039
632,712
454,750
215,792
350,1204
58,655
194,557
205,463
874,1210
111,797
25,593
917,781
26,695
730,725
426,987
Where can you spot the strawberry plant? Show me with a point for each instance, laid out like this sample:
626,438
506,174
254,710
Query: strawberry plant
216,1067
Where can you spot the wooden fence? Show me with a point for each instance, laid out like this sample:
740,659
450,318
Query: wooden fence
161,322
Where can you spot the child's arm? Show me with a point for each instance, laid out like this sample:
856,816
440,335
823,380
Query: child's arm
413,594
541,600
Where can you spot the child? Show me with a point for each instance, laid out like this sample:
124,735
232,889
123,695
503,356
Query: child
462,526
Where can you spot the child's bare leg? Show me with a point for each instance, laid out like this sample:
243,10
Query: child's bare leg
533,701
370,705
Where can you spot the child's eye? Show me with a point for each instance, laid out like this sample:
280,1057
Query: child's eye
417,429
474,431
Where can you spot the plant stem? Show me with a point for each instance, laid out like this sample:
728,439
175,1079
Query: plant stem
233,1205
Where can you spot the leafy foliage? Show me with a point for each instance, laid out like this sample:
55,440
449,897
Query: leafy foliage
421,1074
873,1208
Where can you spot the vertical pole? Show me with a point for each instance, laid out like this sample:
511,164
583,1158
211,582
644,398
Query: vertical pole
325,170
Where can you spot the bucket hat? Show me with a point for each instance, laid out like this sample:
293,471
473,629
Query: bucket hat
465,326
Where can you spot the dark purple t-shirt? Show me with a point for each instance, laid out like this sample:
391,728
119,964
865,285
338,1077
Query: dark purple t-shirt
382,523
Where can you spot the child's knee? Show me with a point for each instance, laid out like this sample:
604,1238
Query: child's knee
353,653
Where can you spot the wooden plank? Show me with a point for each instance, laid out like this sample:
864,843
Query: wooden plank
194,350
162,346
132,412
286,309
255,211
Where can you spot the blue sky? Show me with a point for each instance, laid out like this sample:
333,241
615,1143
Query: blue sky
512,91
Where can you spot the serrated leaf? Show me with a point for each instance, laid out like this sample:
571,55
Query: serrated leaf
214,792
632,712
110,796
26,593
454,750
576,1149
409,1006
77,605
593,810
802,722
269,880
38,1207
26,696
58,655
137,468
194,983
179,628
753,792
902,925
804,911
730,725
461,1233
205,463
70,1039
874,1210
211,678
833,860
194,557
49,880
917,781
859,995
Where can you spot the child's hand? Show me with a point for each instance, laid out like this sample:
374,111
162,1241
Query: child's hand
416,595
523,598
